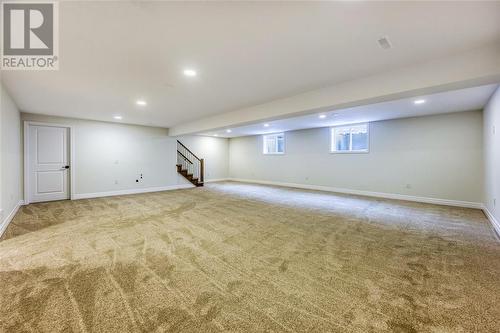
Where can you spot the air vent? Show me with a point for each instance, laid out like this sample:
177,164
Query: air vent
384,43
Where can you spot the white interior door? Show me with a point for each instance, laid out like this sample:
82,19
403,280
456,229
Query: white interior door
48,163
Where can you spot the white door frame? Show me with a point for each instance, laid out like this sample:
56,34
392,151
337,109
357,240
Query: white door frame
71,139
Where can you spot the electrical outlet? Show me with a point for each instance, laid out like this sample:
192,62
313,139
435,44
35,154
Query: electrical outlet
408,186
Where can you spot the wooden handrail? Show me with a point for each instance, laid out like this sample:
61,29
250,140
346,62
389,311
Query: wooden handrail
188,150
187,159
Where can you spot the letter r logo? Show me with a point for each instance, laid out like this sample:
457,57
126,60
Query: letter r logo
28,29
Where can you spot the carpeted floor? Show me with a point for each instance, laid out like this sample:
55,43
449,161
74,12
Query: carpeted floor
248,258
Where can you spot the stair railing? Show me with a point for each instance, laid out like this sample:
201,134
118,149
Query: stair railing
190,162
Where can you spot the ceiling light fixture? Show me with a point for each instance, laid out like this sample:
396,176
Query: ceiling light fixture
228,131
419,101
322,116
266,125
118,117
190,72
141,102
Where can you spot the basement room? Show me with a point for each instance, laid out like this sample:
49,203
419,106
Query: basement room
250,166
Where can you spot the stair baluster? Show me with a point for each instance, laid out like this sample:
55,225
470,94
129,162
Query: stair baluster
189,165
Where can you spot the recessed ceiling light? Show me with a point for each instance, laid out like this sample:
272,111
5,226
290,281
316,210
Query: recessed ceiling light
228,130
266,125
118,117
419,101
190,72
141,102
322,116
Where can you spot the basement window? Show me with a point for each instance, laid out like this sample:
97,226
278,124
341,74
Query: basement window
350,139
274,143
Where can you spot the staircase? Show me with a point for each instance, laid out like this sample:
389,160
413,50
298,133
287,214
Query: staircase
189,165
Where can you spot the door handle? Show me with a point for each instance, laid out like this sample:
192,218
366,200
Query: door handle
65,167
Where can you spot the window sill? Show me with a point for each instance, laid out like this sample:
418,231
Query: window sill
350,152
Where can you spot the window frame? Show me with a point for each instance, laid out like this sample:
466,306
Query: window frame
273,134
359,151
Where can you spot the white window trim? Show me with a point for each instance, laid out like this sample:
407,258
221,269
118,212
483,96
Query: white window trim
363,151
264,143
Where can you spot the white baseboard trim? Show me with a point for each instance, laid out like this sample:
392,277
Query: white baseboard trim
493,220
216,180
131,191
436,201
5,223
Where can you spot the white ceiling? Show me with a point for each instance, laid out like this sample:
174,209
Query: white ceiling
451,101
246,53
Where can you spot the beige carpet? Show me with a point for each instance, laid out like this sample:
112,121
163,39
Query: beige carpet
247,258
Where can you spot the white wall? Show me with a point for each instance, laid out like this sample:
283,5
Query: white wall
492,157
109,157
11,182
1,151
436,156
